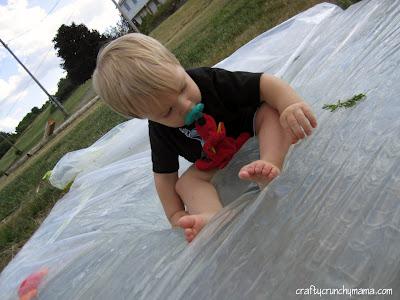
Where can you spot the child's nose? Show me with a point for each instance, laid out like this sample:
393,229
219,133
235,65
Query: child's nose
186,106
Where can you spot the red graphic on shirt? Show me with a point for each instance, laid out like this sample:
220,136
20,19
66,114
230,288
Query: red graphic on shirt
218,147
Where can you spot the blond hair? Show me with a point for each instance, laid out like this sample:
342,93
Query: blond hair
132,71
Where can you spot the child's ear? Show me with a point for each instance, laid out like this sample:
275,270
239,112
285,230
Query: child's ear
135,116
130,116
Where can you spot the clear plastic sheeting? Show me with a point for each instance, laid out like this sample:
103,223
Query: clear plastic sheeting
120,142
331,219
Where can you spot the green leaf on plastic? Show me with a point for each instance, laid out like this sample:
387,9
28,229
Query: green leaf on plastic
346,104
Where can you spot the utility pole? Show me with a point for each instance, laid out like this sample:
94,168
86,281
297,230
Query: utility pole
52,99
125,16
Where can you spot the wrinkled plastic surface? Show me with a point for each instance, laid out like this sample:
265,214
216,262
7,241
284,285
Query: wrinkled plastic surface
331,219
120,142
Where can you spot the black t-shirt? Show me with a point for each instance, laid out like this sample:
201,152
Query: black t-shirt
230,97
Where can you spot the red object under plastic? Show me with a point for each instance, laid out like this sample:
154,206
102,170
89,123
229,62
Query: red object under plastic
28,288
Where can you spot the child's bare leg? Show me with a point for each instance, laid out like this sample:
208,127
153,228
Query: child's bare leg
274,144
201,200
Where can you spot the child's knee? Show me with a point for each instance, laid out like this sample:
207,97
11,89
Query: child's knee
191,177
185,181
180,185
265,113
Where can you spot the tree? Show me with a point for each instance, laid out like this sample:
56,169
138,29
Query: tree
65,88
121,28
78,47
28,120
4,145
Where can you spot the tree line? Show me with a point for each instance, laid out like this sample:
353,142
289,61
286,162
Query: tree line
77,46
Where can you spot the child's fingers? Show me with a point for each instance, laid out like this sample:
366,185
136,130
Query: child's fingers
295,126
310,116
286,127
303,121
292,135
298,122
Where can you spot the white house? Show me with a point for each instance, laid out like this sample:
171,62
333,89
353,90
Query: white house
137,9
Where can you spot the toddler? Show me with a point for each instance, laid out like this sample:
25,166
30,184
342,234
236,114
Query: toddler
139,78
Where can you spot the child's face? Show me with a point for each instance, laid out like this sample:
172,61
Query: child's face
177,105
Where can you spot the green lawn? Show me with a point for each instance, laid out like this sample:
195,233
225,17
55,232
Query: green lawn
201,32
34,133
27,200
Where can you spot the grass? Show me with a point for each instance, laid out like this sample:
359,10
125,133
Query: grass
34,133
201,32
346,3
200,37
151,21
23,205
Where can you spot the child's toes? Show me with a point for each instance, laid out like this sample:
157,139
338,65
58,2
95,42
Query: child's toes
258,169
189,234
251,170
245,172
186,222
274,172
266,171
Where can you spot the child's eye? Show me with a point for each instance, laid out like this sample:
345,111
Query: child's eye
168,113
184,87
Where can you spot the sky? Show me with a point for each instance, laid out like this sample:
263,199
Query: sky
28,28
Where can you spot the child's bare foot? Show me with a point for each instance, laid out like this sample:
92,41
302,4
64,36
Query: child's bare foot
260,171
192,224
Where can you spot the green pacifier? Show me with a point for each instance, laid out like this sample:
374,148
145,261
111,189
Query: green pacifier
194,114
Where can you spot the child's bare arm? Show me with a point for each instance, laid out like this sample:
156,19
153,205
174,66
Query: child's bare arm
171,202
296,116
277,93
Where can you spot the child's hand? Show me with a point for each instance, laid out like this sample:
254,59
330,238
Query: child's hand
297,118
